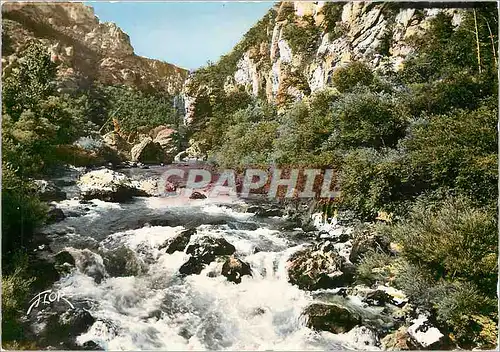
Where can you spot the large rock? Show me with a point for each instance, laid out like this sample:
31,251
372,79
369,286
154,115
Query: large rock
203,251
47,191
90,263
55,215
425,334
121,262
234,268
107,185
116,142
331,318
179,242
148,152
319,267
59,324
197,195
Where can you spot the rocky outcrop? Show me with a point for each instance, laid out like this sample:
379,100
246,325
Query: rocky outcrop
84,48
296,47
147,152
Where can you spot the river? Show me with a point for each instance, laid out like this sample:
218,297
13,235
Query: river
158,309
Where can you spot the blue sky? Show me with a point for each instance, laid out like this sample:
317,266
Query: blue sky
187,34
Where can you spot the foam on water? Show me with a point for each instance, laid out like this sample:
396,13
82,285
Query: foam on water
159,310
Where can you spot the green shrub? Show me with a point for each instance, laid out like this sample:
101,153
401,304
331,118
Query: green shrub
134,109
366,119
346,78
375,267
35,119
22,211
304,38
458,151
16,286
31,81
452,240
373,181
247,144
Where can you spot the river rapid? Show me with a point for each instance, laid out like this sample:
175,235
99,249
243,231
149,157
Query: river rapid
155,308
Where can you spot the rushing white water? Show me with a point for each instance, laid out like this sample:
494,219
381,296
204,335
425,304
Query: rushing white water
159,310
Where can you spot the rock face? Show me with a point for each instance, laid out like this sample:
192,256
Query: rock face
330,317
319,267
85,49
297,46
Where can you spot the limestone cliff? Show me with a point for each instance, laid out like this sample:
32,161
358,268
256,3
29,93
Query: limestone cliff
294,50
85,49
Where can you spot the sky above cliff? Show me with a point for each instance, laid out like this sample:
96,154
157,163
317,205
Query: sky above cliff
187,34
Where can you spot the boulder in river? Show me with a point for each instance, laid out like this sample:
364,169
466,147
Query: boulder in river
60,322
55,215
319,267
203,251
178,242
64,261
234,268
330,317
121,262
47,191
90,263
207,246
197,195
107,185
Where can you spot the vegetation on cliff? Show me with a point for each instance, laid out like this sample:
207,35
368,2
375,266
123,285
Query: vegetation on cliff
419,144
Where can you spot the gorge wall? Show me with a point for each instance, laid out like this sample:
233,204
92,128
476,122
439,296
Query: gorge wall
297,46
85,49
